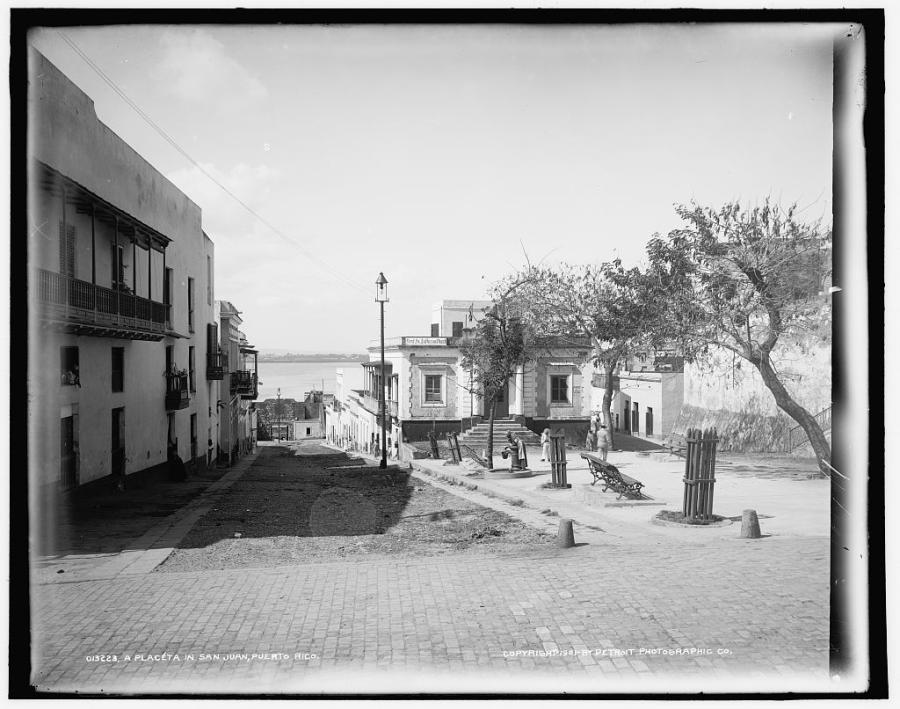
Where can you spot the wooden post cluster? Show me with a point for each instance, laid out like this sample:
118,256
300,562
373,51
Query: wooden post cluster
435,451
700,475
558,460
455,452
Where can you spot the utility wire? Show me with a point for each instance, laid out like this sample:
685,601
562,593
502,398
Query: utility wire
137,109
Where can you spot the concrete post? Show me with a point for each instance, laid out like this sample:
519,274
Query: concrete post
566,536
750,525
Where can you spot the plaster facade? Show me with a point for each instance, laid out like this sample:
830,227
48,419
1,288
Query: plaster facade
120,287
428,389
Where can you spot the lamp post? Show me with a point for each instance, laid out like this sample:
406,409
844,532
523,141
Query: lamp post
381,298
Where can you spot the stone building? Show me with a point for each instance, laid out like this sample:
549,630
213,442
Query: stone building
428,388
238,384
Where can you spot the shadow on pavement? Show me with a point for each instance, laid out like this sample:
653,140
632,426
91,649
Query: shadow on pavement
320,492
99,519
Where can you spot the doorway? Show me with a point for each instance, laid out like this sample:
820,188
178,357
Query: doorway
501,403
68,459
117,442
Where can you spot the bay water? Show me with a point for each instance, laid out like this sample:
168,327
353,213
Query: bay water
296,378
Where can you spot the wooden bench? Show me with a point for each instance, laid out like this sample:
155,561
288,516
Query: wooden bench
611,477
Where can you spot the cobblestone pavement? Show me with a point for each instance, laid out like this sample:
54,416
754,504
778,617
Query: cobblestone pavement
608,615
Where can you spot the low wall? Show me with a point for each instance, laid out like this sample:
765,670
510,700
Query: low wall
419,430
738,432
576,429
410,453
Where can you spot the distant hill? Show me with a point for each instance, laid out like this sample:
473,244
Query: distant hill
307,357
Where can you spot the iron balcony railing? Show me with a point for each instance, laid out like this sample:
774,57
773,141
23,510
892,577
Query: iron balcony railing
216,365
243,383
178,395
87,303
371,404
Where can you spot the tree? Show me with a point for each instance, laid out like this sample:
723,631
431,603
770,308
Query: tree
607,304
745,279
499,343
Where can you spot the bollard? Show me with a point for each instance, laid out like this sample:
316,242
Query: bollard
750,525
566,537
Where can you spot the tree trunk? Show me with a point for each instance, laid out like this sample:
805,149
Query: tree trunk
606,404
806,421
490,443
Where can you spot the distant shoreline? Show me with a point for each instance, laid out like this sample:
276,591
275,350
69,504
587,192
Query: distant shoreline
312,359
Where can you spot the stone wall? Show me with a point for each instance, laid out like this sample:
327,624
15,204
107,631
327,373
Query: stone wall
726,392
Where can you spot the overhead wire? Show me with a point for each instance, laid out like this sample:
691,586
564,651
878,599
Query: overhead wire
169,139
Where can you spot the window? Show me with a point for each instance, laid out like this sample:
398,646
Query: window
435,329
170,359
118,267
457,329
68,365
559,389
193,437
209,283
167,286
190,304
118,368
191,378
308,431
67,249
433,388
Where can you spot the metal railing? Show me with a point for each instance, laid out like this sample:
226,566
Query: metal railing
177,393
89,303
216,364
243,382
796,436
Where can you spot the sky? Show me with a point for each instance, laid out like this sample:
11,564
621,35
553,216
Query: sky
444,156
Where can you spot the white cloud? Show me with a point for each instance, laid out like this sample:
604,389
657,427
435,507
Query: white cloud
197,68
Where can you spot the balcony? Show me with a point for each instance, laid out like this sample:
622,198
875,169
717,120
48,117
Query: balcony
243,383
216,364
371,404
84,308
177,394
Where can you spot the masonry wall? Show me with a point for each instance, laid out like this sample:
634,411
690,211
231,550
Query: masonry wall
444,365
726,392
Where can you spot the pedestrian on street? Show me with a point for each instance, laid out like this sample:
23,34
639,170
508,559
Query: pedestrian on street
591,441
545,444
603,441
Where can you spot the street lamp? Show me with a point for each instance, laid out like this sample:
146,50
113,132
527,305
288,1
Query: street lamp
381,298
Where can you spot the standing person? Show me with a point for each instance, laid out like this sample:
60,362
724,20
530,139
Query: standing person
545,444
591,441
603,441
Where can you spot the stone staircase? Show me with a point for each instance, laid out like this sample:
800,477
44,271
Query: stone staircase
476,437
